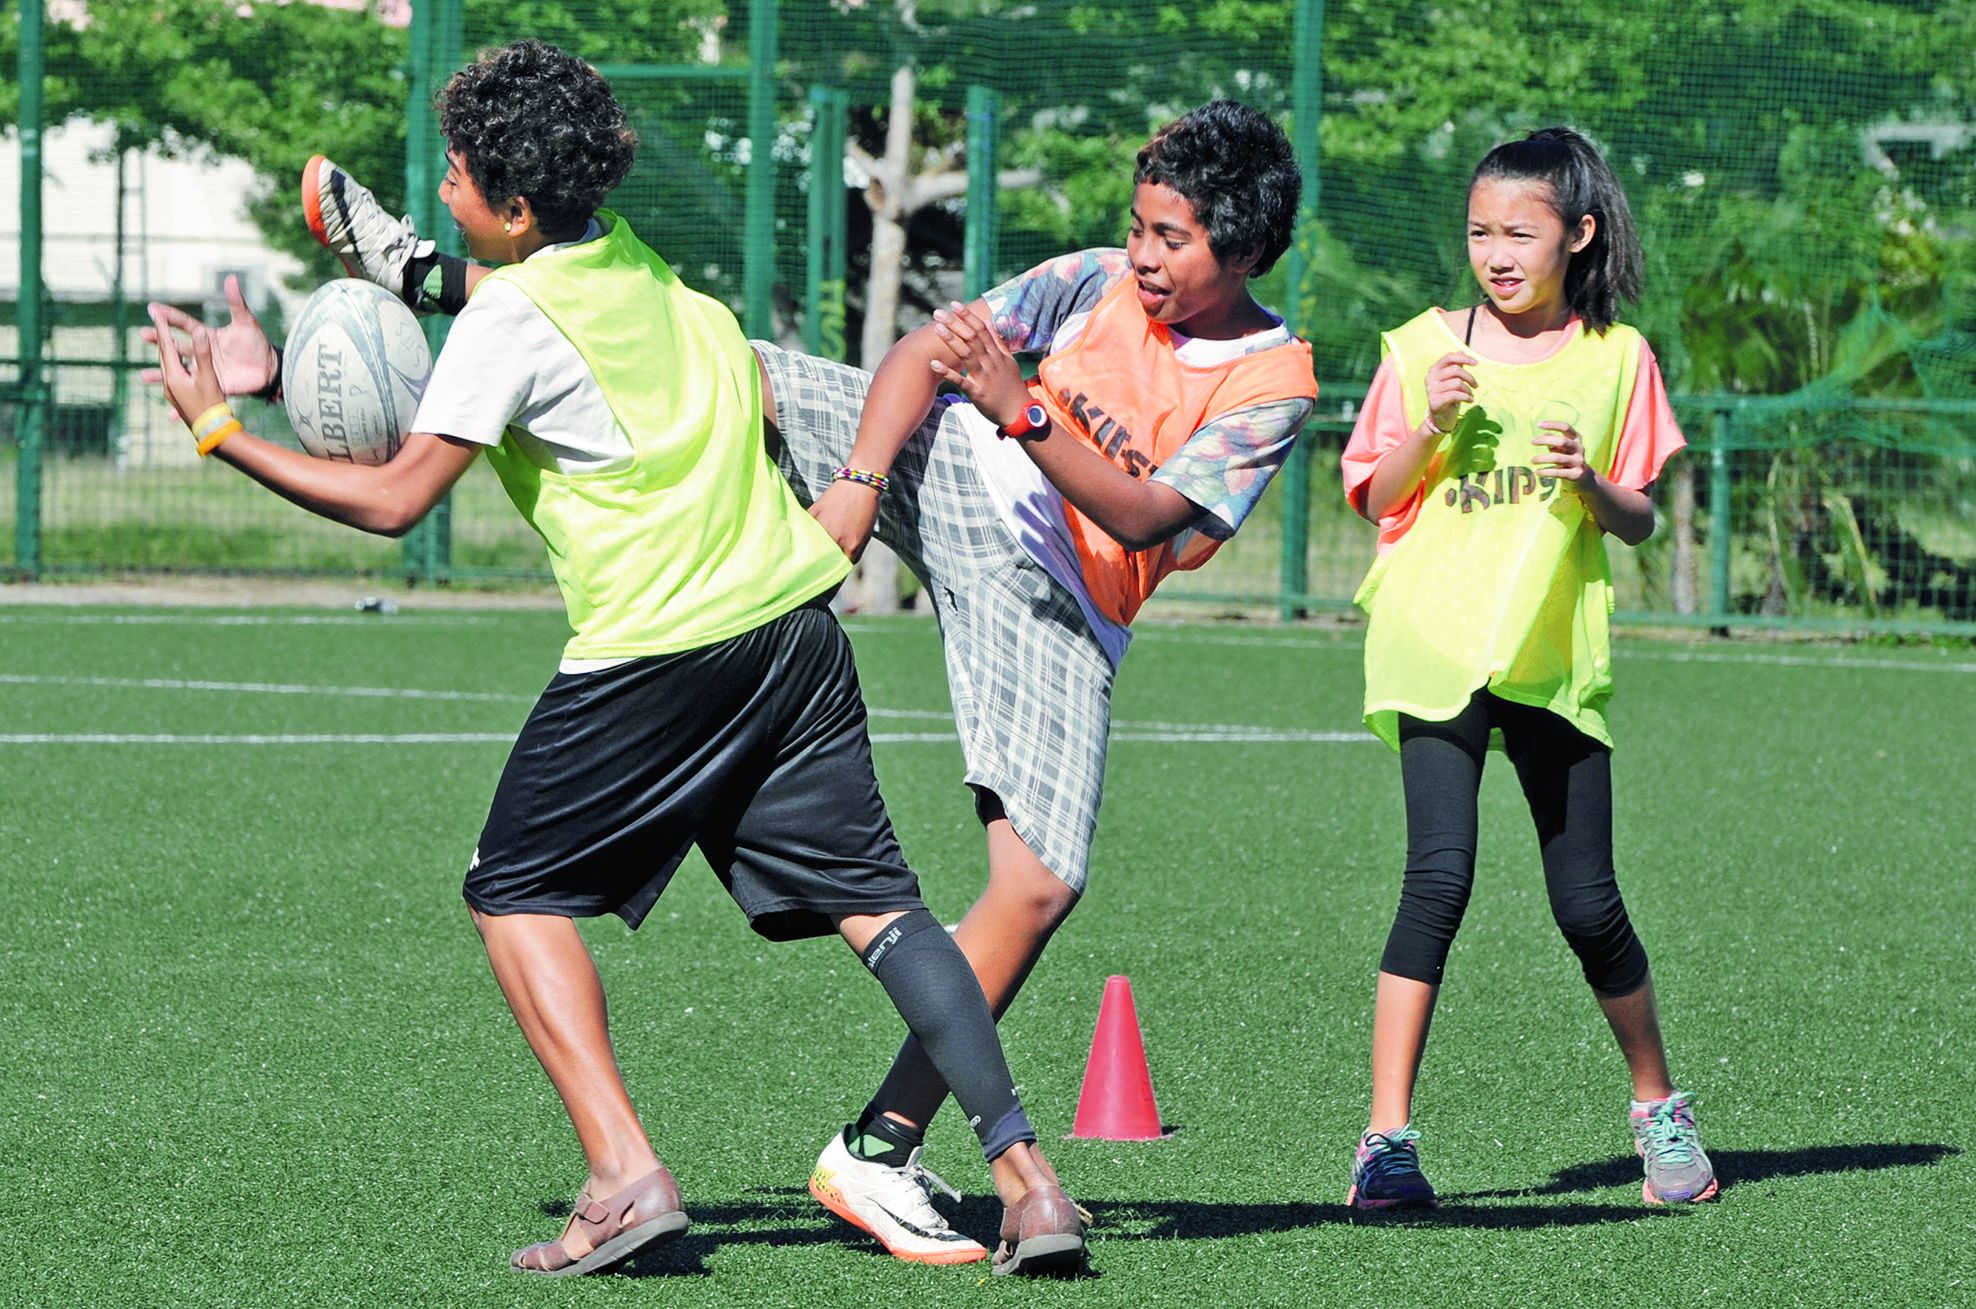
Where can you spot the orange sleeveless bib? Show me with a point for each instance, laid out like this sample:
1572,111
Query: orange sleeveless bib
1120,388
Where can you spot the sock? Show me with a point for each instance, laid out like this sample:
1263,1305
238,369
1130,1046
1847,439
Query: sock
1642,1106
934,990
440,279
883,1140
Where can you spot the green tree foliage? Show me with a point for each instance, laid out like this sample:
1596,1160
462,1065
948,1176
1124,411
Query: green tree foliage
276,83
271,84
1773,232
1736,128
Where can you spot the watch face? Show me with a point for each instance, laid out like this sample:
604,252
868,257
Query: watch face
1027,421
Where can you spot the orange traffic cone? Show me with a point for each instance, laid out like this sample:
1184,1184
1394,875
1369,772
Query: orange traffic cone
1116,1103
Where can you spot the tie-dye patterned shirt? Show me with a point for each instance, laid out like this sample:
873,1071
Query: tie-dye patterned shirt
1229,462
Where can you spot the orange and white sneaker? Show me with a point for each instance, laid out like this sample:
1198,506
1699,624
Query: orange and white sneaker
894,1205
369,242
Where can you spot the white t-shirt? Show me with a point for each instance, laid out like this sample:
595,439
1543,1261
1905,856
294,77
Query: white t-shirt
506,367
1033,510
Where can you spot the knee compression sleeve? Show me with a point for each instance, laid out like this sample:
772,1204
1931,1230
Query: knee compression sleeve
935,991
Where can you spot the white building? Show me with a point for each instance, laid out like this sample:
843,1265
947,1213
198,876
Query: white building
185,227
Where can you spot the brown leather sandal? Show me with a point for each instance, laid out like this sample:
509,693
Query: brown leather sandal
645,1213
1042,1236
1050,1174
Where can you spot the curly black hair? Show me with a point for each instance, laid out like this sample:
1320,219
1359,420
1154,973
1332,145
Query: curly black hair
533,121
1235,166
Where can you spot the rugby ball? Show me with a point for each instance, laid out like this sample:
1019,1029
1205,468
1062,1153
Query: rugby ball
354,368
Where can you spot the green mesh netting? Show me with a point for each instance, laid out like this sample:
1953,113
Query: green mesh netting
1803,173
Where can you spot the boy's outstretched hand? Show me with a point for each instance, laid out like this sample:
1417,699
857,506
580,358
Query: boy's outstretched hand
192,388
242,358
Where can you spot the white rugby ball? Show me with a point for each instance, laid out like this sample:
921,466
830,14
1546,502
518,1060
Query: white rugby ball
354,368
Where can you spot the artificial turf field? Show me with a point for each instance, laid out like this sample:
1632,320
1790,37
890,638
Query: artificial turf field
254,1055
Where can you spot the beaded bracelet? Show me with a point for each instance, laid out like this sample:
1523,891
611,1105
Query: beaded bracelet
863,477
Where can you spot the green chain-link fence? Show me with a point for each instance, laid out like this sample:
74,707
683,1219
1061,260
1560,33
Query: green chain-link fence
1801,171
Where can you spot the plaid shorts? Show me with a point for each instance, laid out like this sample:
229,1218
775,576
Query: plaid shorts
1031,686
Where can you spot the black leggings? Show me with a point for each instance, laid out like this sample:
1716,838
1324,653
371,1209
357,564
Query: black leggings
1567,778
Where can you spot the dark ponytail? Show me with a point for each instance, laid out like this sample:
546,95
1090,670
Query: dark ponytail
1581,181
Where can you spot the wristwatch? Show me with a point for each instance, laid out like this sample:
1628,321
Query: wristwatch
1032,419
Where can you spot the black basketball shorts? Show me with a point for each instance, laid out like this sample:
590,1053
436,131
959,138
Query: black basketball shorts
755,748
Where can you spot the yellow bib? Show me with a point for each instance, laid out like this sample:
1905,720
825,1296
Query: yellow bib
1502,582
699,538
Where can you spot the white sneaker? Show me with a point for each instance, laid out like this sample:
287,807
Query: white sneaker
893,1204
370,243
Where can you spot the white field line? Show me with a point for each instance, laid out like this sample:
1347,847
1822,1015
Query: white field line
242,620
1224,735
1123,730
1205,734
1623,655
1792,661
248,738
259,688
1287,641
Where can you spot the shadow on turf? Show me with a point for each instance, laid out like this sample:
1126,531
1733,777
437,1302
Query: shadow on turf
688,1256
785,1216
1735,1167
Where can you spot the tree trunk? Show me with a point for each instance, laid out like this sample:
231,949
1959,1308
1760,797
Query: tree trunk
890,184
887,197
1687,558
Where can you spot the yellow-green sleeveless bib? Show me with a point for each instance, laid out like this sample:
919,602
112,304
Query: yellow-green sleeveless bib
1502,581
699,538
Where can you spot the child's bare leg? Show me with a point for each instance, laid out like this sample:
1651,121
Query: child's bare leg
1004,932
1402,1009
1019,1168
551,983
1635,1021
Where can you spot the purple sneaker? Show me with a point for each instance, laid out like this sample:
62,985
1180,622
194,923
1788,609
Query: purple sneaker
1664,1133
1386,1173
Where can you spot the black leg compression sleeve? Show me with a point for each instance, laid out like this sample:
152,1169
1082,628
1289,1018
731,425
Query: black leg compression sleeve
913,1087
452,284
1567,779
935,991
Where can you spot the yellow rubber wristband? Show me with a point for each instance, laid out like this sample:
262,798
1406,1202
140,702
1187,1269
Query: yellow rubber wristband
204,422
218,438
